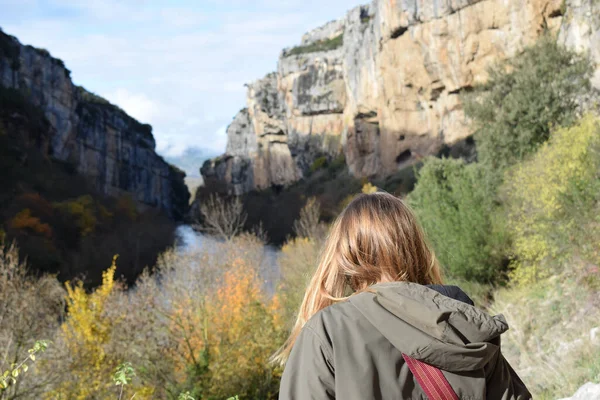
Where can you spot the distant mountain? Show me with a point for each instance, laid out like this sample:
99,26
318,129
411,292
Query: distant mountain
191,160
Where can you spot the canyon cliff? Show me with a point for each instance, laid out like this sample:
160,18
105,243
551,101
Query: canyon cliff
113,150
382,86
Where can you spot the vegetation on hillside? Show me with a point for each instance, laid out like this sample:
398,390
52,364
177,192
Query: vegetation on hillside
454,209
58,218
528,207
321,45
513,114
201,324
523,100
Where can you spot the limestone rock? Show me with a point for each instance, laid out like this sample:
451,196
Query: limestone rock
589,391
580,31
233,172
430,52
361,132
99,139
241,140
228,174
314,97
383,83
257,155
330,30
273,163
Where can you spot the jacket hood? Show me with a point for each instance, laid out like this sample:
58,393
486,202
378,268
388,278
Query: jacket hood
431,327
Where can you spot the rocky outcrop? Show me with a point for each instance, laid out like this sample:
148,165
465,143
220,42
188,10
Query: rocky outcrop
312,87
383,84
100,140
272,162
589,391
257,155
241,140
361,132
580,31
432,50
233,172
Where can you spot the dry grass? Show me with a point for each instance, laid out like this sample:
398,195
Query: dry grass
549,342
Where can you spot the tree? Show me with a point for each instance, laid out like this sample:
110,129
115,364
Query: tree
552,204
456,213
307,224
525,96
221,217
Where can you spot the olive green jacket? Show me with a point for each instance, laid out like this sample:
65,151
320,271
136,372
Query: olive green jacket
353,350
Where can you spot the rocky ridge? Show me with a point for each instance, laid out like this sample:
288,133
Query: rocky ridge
382,85
100,140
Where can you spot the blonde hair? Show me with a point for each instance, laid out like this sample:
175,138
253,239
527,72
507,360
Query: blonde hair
375,239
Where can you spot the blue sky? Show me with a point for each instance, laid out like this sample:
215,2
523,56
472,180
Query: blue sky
178,65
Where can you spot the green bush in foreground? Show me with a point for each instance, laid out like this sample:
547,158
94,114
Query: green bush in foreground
456,213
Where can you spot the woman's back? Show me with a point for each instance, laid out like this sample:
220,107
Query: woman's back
354,349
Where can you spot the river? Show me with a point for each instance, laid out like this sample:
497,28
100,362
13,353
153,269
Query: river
189,239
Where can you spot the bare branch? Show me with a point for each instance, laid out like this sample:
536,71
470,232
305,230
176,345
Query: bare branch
223,218
307,224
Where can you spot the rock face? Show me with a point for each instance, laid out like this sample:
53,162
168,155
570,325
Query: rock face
100,140
589,391
580,31
431,51
383,83
257,155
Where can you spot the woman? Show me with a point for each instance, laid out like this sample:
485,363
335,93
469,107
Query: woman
369,328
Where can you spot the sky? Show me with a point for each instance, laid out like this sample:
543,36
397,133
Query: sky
178,65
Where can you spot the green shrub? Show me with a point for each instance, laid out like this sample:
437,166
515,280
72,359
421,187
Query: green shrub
318,164
337,163
456,213
321,45
552,203
524,97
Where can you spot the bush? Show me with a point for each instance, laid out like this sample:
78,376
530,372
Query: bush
298,261
86,332
203,323
524,97
222,217
321,45
456,213
30,309
552,203
318,164
338,163
307,225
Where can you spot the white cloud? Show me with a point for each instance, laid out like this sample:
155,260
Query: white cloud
181,17
220,138
137,105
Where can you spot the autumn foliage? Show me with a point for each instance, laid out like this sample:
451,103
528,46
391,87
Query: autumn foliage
202,323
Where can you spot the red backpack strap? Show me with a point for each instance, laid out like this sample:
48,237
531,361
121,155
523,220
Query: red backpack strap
432,381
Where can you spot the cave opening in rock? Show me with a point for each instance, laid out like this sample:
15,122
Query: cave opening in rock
404,156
